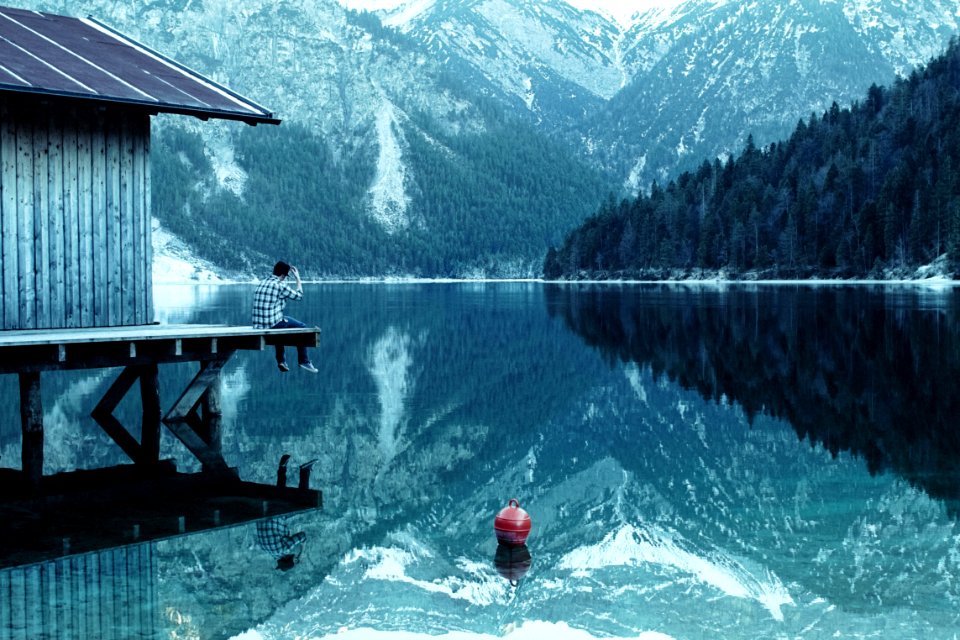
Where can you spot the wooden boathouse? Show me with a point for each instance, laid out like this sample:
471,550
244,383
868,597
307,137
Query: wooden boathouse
76,100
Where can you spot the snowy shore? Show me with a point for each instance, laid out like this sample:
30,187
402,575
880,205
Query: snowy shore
175,263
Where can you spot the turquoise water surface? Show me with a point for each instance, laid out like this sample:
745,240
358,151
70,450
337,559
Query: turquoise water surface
698,462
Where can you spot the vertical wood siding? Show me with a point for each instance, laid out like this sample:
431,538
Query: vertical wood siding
104,595
75,233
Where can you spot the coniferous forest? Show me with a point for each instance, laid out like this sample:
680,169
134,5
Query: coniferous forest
488,203
867,191
882,383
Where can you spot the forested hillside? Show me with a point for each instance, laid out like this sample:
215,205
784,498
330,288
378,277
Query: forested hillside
870,190
485,203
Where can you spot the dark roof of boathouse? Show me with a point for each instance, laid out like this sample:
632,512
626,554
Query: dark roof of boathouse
48,54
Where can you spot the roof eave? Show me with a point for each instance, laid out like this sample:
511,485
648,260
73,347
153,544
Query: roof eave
154,107
185,69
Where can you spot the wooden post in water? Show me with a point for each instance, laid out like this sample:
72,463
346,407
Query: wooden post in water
150,426
31,424
213,414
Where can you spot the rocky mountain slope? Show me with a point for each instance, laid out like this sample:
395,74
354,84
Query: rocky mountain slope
683,82
713,73
401,108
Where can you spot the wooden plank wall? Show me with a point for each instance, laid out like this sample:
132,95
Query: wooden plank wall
75,235
105,595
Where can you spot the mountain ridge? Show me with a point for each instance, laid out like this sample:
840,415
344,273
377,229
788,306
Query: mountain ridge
587,78
402,116
868,191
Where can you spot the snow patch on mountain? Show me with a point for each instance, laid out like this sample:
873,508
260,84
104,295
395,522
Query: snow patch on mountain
631,546
530,96
632,183
220,150
660,14
388,198
543,36
393,13
389,364
174,262
907,31
624,12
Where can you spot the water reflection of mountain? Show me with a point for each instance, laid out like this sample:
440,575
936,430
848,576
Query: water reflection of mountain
653,508
873,371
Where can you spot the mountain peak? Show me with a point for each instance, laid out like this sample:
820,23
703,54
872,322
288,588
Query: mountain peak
393,13
624,13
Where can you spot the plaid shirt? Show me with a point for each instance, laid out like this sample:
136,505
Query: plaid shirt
275,538
269,300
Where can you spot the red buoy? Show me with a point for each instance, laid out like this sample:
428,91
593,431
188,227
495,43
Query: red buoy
512,524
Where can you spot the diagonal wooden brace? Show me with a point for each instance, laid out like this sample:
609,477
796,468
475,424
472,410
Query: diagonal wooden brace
184,422
103,414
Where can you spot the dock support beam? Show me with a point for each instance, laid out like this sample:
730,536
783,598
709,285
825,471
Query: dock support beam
150,426
31,424
212,415
195,419
201,435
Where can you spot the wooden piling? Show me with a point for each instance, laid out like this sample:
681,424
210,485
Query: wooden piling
150,426
213,413
31,423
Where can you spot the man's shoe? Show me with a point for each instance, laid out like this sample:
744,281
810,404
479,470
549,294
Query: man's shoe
308,366
283,367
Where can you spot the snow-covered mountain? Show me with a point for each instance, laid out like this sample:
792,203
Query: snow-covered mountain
518,45
714,72
624,12
647,88
640,89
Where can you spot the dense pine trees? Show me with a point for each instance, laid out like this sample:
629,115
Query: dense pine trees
862,191
485,203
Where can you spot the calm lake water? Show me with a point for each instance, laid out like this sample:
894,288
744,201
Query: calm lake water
698,462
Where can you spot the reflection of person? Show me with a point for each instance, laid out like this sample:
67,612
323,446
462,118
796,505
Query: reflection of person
304,480
269,300
274,537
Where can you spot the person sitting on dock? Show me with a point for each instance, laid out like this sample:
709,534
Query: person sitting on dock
269,300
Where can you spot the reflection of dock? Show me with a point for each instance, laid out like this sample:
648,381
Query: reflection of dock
47,517
80,560
86,511
77,552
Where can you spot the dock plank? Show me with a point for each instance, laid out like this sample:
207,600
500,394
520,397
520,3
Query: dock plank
104,347
32,337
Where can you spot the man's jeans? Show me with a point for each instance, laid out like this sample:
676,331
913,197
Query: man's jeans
291,323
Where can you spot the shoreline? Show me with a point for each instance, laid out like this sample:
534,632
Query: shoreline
936,282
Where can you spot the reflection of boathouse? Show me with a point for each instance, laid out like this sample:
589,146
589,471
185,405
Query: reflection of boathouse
114,589
76,99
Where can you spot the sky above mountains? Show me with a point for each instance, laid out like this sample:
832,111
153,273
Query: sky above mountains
622,11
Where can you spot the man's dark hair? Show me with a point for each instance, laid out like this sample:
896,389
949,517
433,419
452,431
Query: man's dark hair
285,563
281,269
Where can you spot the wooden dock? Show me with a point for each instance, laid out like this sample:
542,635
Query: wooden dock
90,510
59,349
194,418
